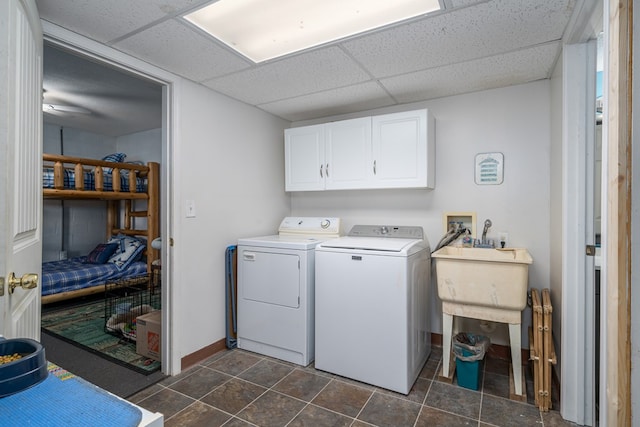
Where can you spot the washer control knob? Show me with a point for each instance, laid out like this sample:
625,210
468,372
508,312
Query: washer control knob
325,223
384,230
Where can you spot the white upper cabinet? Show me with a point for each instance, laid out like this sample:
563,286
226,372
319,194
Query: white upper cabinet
388,151
403,150
304,158
348,154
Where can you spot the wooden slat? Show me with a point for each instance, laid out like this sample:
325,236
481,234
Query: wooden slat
51,193
547,311
79,176
48,299
115,179
535,364
58,175
538,345
129,231
153,212
133,187
98,173
52,158
112,217
127,214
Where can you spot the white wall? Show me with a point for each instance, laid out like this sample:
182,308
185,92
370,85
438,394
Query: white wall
515,121
229,159
143,146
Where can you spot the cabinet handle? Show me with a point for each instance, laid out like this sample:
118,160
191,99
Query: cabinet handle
321,175
327,170
374,167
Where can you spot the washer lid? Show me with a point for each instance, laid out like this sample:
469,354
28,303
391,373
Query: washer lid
372,244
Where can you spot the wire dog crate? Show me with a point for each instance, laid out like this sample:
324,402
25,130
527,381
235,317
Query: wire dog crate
126,300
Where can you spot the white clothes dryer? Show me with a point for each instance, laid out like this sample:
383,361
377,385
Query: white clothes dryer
276,276
372,305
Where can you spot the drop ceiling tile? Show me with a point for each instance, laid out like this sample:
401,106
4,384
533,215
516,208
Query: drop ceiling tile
107,20
487,73
175,46
311,72
463,34
360,97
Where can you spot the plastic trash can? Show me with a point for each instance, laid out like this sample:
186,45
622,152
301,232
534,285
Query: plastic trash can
469,350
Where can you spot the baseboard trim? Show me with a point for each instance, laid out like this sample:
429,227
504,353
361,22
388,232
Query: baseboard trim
496,350
198,356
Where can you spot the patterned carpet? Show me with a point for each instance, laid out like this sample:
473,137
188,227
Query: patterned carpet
83,325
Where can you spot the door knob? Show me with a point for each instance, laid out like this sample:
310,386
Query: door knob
27,281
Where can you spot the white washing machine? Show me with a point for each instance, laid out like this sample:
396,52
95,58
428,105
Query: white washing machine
276,276
372,305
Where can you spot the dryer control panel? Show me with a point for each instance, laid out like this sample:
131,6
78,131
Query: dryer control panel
392,231
325,226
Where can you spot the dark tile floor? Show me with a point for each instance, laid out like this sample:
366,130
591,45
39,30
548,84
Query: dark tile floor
239,388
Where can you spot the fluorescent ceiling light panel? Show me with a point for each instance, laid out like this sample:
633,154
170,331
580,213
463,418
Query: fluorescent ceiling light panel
267,29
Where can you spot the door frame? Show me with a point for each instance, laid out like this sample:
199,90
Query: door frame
578,273
80,45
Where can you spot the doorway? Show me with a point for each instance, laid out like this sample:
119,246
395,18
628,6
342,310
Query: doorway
152,143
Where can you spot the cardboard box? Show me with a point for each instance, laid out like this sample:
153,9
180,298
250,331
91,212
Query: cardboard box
148,333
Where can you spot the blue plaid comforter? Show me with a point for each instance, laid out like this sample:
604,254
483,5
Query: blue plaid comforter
90,182
73,274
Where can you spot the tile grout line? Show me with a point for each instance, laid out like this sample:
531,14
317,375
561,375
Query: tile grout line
311,400
331,380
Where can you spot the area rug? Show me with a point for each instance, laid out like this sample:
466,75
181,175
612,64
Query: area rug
83,326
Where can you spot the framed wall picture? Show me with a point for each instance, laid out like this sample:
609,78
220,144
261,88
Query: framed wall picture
489,168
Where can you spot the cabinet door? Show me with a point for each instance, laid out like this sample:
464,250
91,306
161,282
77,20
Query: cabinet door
403,150
304,158
348,154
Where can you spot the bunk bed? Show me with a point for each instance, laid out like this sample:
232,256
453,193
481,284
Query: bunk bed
120,184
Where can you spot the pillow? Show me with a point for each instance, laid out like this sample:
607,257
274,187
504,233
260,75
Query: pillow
101,253
129,249
115,157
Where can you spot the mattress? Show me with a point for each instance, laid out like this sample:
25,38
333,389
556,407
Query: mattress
75,273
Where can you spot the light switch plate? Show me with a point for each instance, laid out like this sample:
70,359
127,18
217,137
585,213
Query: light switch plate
190,209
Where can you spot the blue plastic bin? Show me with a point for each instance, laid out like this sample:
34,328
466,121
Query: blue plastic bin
468,373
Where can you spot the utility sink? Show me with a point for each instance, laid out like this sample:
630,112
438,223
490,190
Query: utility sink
495,278
486,284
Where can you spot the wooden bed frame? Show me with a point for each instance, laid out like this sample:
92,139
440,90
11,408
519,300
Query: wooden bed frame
118,222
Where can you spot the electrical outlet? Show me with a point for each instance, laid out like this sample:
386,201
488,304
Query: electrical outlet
503,239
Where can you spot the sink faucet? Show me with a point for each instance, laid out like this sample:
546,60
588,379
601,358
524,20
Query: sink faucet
487,224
